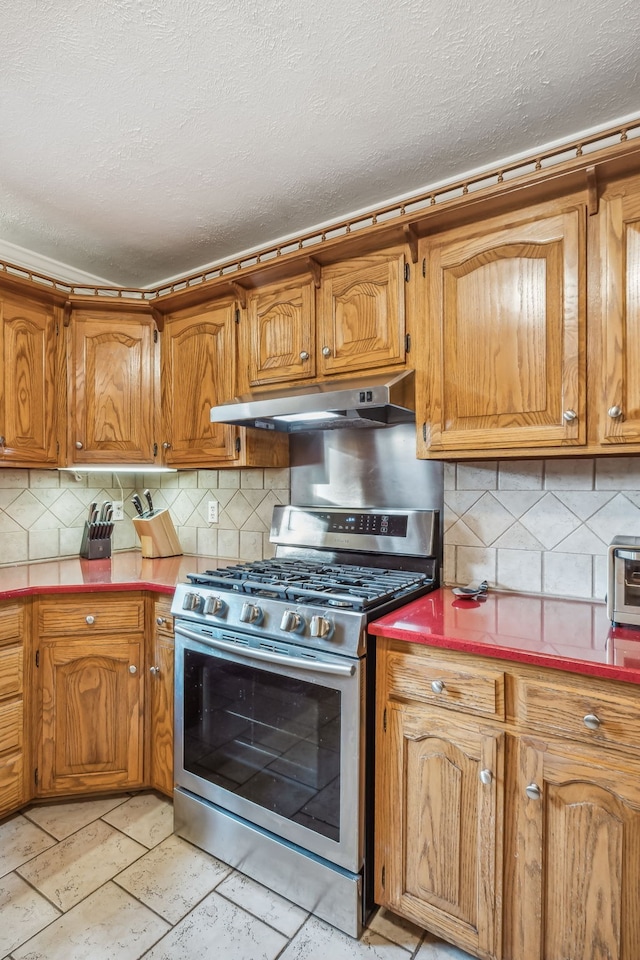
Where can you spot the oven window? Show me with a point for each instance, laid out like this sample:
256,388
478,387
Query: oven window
271,739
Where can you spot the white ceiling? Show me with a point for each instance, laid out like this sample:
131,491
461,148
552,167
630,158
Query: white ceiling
142,139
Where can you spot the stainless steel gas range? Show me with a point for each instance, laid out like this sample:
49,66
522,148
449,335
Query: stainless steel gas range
274,700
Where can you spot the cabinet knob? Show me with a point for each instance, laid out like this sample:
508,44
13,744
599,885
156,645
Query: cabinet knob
533,791
326,351
90,619
133,669
160,621
486,777
304,355
591,721
570,416
78,444
437,686
615,412
166,445
152,670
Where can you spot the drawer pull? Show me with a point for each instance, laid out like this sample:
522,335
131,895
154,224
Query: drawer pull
160,620
437,686
591,721
154,671
486,777
533,791
133,669
90,619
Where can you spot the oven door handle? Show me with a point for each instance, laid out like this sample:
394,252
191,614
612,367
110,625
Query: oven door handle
319,666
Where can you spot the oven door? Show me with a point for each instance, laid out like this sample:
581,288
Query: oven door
273,733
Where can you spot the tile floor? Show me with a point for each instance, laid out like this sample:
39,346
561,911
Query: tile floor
107,878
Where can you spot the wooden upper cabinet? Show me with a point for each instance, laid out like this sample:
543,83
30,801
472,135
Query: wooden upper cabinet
361,323
198,371
112,388
618,414
503,353
28,394
280,326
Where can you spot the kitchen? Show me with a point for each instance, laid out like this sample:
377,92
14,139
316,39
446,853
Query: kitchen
533,523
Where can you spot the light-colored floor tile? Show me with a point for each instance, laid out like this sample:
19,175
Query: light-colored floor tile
109,924
20,841
23,911
317,940
435,949
263,903
147,817
396,929
80,864
173,877
63,819
218,928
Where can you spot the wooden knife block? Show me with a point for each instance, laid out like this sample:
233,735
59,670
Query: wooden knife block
158,537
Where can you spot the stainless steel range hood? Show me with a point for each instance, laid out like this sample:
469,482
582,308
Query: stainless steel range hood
369,401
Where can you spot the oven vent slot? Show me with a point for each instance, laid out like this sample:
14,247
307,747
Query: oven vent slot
235,639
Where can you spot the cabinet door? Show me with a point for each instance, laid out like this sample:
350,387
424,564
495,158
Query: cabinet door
198,372
504,362
281,333
439,825
91,707
161,700
112,388
575,868
362,319
28,348
15,707
619,409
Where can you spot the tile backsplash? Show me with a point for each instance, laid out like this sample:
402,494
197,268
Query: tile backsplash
538,526
42,512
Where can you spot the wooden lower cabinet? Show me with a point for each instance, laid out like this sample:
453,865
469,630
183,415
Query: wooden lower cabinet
505,840
13,716
91,692
160,736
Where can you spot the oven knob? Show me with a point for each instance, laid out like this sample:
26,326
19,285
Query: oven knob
215,606
291,621
250,613
319,627
191,601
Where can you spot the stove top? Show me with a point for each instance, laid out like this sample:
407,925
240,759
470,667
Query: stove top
350,586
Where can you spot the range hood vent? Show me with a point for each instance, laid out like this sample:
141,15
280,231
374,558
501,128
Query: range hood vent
369,401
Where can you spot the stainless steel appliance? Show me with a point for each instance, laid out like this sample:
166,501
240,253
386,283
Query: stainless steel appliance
274,699
623,593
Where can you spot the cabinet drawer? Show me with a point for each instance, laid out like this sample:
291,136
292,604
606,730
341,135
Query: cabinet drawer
561,711
95,615
10,783
163,621
10,726
11,624
436,681
10,671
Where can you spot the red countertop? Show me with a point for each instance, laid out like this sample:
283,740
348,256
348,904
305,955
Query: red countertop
123,571
571,635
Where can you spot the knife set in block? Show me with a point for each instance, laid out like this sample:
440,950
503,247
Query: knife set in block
96,536
158,537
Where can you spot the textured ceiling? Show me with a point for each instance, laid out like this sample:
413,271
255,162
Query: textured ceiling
142,139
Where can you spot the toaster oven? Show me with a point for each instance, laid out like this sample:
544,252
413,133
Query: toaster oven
623,593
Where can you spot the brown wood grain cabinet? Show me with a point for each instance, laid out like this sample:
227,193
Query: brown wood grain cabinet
279,333
199,371
14,712
503,360
113,380
91,678
507,823
160,673
30,333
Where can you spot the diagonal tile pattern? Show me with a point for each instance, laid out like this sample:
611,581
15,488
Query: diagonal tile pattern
171,902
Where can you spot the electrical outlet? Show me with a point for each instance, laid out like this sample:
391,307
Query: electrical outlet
118,510
213,512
